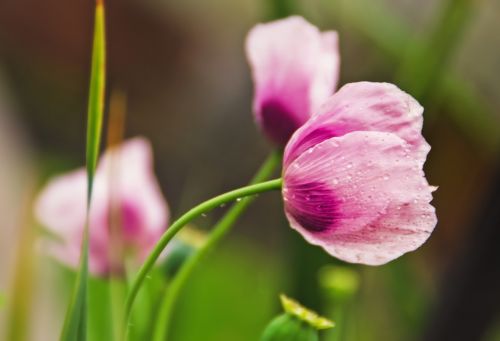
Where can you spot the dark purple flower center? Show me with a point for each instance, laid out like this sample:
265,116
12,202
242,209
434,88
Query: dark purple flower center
278,122
313,205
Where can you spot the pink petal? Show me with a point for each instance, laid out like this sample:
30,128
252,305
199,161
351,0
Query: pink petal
135,185
363,106
124,181
361,197
61,205
295,68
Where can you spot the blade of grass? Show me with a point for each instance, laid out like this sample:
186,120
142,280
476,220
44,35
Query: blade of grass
75,323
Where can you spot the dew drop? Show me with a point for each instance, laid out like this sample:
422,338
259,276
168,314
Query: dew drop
238,199
386,177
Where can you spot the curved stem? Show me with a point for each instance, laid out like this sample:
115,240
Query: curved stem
218,232
185,219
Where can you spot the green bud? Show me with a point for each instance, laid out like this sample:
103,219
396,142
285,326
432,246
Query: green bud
181,248
296,324
287,327
340,282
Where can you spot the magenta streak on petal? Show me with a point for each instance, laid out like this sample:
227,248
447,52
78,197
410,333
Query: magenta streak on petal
278,122
313,205
310,140
131,220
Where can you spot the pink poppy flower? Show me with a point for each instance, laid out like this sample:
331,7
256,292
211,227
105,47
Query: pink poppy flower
352,175
124,183
295,68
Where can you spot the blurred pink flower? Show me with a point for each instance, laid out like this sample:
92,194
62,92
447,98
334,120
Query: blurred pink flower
352,175
295,68
124,183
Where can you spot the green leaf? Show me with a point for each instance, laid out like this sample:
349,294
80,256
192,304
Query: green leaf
75,323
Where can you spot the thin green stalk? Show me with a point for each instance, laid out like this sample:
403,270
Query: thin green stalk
193,213
218,232
338,333
117,291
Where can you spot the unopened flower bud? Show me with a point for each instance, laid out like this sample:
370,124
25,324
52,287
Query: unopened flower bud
297,323
182,247
340,282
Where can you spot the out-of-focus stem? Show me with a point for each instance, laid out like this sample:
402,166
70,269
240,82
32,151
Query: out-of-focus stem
218,232
237,194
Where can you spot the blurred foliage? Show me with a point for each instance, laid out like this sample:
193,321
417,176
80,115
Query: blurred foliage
232,297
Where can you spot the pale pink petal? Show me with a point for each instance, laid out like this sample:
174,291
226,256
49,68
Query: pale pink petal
361,197
124,181
295,68
363,106
61,206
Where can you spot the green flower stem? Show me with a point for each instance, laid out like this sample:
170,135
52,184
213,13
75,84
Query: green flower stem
193,213
218,232
117,291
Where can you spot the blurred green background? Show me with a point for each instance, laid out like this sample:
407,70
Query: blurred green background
183,68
